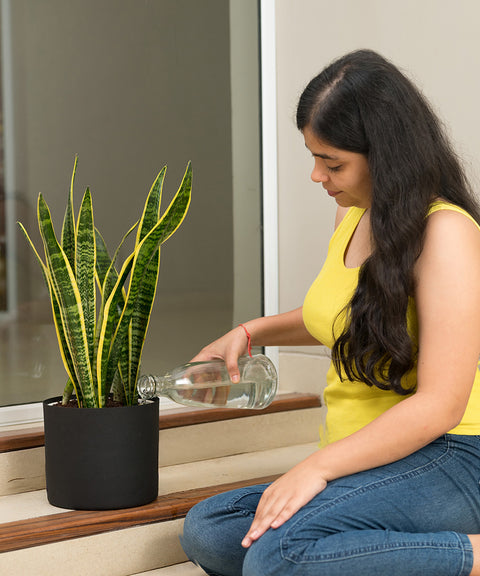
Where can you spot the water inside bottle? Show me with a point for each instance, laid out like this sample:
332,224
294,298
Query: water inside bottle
208,384
221,394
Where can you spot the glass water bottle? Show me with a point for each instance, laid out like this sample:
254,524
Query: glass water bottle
208,384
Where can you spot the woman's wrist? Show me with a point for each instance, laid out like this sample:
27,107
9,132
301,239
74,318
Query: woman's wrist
249,339
254,329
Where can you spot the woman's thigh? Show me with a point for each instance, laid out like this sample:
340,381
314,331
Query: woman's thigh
433,490
412,510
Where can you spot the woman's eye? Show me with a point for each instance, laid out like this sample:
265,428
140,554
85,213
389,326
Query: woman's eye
334,168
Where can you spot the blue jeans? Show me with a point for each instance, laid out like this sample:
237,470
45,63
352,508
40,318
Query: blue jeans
406,518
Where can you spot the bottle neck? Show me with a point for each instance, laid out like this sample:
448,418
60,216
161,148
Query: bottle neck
161,384
150,386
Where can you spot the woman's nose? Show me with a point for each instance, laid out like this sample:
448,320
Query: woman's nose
319,174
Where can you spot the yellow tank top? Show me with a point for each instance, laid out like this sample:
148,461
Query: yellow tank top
351,404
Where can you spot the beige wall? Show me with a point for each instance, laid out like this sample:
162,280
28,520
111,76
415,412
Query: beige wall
435,41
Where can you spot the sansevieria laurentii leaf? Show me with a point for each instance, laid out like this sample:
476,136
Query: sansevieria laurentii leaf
101,340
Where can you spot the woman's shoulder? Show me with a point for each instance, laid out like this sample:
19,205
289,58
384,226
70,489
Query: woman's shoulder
448,212
452,235
450,223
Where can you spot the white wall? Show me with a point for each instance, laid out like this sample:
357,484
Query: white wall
435,41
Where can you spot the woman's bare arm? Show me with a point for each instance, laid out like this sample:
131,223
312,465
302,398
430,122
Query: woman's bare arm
286,329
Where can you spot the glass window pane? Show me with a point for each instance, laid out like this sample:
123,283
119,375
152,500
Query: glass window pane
131,86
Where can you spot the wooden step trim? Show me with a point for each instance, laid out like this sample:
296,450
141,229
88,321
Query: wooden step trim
22,439
283,403
76,524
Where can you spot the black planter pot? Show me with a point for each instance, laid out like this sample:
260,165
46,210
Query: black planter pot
101,458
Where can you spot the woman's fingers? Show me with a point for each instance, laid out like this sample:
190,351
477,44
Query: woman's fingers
275,508
282,499
228,348
271,519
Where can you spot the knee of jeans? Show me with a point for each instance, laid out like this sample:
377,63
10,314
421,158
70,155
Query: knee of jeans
262,559
195,531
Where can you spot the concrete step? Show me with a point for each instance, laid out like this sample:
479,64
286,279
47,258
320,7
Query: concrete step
117,553
136,549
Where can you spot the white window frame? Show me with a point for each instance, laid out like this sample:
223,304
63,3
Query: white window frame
269,164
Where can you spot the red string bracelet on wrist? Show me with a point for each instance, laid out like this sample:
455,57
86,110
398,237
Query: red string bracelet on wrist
249,340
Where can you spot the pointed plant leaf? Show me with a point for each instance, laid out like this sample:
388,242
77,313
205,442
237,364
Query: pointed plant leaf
85,252
108,276
151,209
62,341
67,393
103,258
107,330
141,318
63,281
141,258
118,389
144,252
121,383
177,210
68,228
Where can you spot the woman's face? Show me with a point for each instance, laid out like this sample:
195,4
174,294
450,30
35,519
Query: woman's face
344,175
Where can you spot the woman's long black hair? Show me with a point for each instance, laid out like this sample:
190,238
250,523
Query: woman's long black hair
362,103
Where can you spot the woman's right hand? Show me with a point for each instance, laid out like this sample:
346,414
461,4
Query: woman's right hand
285,329
228,348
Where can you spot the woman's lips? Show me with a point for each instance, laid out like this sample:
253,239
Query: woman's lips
333,192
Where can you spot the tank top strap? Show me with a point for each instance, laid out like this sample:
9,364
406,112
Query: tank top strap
344,231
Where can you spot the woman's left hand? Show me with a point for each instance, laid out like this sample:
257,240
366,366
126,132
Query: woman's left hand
284,497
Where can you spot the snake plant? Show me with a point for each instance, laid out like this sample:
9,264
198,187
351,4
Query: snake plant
101,315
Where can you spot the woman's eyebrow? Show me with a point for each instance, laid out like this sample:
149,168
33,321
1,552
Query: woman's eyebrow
323,156
326,156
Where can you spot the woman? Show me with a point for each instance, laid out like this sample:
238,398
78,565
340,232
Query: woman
395,488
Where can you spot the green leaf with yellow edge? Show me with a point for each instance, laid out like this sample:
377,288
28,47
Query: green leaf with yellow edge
70,304
68,228
85,266
142,286
62,341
